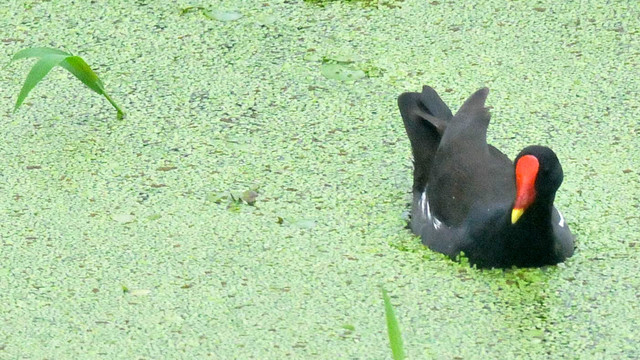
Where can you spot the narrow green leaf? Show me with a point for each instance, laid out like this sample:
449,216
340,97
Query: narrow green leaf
191,9
37,52
74,64
37,73
395,338
120,114
80,69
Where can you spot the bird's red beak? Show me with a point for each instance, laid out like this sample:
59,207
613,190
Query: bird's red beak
526,173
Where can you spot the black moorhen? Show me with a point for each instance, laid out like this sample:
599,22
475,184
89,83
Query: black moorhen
468,196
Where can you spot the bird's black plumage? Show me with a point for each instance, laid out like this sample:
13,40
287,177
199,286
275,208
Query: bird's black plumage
464,190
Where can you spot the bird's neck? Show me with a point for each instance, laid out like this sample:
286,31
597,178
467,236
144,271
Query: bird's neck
538,215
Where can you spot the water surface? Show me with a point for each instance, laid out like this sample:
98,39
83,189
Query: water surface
121,239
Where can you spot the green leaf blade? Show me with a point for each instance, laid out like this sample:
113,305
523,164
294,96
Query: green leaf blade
49,58
38,52
120,113
37,73
81,70
393,329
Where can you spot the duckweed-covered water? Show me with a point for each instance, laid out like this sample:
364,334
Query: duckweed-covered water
130,239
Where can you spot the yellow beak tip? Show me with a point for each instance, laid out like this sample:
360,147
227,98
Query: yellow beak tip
516,214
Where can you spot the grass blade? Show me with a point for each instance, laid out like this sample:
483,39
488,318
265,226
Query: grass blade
37,52
395,338
37,73
120,114
74,64
80,69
